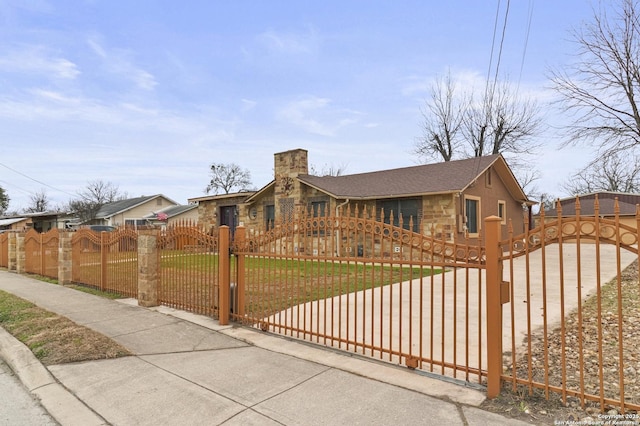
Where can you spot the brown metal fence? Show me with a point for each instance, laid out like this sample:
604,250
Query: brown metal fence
41,253
565,294
4,250
189,269
107,261
357,283
572,329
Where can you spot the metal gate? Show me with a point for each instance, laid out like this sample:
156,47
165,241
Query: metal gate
358,283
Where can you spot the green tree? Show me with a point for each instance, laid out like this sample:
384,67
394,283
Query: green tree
4,201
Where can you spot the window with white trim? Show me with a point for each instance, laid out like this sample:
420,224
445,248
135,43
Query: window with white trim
502,211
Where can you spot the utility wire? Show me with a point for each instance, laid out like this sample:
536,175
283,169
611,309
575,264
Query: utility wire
36,180
504,30
493,43
526,42
26,191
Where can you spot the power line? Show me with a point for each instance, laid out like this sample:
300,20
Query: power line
36,180
526,40
493,43
26,191
504,30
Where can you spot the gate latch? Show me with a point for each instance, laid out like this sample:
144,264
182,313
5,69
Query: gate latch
505,295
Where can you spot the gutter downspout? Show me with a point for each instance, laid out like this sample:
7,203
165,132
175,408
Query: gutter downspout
338,207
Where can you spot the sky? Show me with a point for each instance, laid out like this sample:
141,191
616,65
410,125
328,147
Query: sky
148,94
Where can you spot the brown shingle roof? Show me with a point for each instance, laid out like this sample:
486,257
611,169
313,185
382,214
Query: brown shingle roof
606,200
446,177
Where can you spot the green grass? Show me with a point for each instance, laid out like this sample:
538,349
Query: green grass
83,288
96,292
289,282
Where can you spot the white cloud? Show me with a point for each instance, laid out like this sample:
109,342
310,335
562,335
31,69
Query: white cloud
466,81
119,62
300,113
316,115
36,60
290,43
248,104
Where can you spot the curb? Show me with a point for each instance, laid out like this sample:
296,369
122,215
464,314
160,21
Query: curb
61,404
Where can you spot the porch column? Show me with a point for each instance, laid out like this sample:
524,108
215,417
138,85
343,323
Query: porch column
148,269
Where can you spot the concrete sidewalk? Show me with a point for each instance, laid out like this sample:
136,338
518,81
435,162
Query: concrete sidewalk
187,369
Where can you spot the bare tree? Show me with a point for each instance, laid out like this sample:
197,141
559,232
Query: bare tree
443,118
328,170
227,177
96,194
616,173
601,87
457,126
502,123
39,202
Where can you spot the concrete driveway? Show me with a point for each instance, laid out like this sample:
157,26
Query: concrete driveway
442,318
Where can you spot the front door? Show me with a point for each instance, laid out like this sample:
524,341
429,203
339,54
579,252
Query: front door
228,217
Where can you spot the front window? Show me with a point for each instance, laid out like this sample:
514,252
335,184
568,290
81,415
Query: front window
318,208
502,211
269,215
472,213
135,223
407,209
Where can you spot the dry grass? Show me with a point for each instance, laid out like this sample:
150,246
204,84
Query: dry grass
52,338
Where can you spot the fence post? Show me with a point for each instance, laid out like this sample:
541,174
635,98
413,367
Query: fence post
223,275
21,258
494,305
11,252
104,249
240,280
148,269
65,258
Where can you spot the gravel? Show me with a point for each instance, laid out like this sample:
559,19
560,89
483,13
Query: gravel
583,372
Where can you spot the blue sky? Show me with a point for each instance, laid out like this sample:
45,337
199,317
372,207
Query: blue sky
147,94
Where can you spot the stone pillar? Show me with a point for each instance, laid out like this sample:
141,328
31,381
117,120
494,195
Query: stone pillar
11,252
65,253
148,269
20,254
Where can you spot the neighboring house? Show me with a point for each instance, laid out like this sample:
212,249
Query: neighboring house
132,212
626,203
41,221
17,223
444,199
173,215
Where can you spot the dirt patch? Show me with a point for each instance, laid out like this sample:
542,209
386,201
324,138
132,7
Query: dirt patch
52,338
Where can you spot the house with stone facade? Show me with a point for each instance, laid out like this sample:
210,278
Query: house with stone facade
446,200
